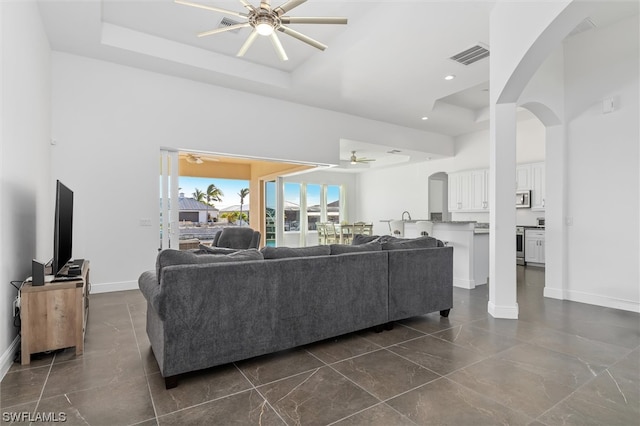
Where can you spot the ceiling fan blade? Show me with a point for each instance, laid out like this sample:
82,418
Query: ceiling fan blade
248,5
312,20
215,9
265,4
247,44
287,6
221,30
278,46
302,37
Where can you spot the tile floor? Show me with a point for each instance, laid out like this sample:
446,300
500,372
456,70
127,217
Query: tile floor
560,363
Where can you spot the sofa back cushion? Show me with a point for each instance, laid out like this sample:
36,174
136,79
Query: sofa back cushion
360,239
172,257
343,248
285,252
411,243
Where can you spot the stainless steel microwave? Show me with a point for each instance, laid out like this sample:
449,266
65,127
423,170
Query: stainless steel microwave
523,199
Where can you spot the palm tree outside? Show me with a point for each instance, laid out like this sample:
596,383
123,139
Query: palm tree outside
213,194
243,193
199,195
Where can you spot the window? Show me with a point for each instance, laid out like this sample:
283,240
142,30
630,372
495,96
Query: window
270,213
333,203
314,207
291,206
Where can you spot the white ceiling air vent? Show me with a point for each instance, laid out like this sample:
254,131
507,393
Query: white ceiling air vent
227,22
471,55
394,151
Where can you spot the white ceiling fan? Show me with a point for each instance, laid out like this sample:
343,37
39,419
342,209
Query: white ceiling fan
355,160
265,20
197,159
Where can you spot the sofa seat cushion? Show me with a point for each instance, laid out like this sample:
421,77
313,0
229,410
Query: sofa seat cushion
411,243
344,248
172,257
215,250
286,252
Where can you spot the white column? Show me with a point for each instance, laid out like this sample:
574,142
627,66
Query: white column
555,214
502,240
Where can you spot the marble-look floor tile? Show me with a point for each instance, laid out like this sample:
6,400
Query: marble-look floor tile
196,388
246,408
612,398
318,397
477,339
436,354
22,386
384,374
526,378
386,338
104,405
84,373
443,402
341,348
268,368
431,323
378,415
17,414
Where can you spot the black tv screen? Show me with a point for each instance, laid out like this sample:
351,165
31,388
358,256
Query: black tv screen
63,228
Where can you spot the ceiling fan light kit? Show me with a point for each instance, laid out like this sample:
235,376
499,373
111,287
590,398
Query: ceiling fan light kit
265,21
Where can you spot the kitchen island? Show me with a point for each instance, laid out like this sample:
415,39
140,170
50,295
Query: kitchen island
470,242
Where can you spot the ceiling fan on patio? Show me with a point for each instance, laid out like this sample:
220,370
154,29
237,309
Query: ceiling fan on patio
197,159
355,160
265,21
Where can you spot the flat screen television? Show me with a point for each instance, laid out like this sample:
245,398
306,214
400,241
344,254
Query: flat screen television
63,228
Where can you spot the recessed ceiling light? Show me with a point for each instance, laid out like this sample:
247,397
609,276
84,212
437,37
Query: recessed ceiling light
449,77
425,118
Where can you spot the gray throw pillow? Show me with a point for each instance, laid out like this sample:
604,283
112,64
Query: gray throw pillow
285,252
172,257
410,243
343,248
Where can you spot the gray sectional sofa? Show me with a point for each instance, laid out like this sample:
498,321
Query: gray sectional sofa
207,309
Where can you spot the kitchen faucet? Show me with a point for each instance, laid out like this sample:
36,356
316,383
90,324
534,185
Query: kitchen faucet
408,214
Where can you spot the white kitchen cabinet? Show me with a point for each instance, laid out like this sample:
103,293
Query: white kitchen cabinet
538,192
469,191
534,246
459,191
479,190
523,177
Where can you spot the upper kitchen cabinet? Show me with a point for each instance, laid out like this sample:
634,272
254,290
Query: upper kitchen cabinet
538,192
469,191
523,177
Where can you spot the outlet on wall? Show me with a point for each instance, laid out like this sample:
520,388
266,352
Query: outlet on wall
145,222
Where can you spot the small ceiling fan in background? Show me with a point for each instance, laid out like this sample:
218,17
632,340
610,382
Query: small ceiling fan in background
265,20
197,159
355,160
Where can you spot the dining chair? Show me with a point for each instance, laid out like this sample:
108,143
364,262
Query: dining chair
424,227
397,228
331,235
322,233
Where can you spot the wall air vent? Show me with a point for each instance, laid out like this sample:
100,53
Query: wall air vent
226,22
471,55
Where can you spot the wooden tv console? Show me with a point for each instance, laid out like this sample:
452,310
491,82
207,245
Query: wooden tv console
54,316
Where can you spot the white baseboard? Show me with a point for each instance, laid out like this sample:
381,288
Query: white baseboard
468,284
109,287
505,312
6,360
592,299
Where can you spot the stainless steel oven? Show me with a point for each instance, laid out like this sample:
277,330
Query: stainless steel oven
519,245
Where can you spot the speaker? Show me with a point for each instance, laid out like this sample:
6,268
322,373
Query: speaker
37,273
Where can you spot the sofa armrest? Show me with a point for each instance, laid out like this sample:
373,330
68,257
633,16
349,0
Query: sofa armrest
150,288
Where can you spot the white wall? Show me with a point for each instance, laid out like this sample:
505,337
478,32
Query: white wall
603,170
111,120
26,189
